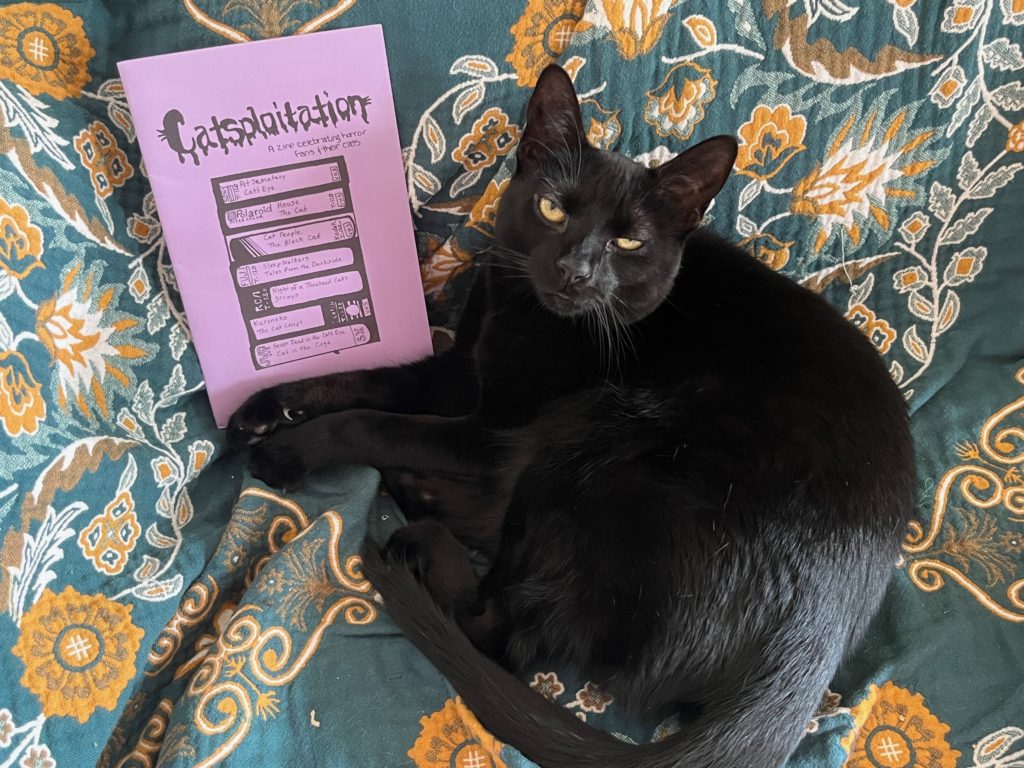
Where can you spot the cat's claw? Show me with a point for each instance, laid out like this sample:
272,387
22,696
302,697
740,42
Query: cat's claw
260,416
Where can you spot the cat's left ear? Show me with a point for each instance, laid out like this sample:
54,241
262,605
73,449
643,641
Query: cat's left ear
693,178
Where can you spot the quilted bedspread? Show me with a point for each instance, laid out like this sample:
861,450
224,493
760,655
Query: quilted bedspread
160,606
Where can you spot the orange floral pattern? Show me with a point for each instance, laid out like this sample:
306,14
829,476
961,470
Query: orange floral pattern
78,651
636,25
110,537
485,210
541,35
769,140
892,728
44,49
768,249
492,137
21,242
453,738
22,406
880,333
676,105
107,163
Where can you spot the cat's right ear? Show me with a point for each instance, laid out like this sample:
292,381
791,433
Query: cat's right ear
553,122
693,178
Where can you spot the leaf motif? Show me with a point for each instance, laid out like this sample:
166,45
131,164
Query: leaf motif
1003,55
964,107
941,200
461,207
913,344
183,514
1009,96
157,314
949,313
749,194
6,285
969,171
464,182
995,181
174,389
965,265
896,371
851,270
49,186
979,124
746,21
474,65
144,403
157,539
905,21
920,306
150,565
128,476
122,118
155,592
745,226
434,137
963,228
29,113
860,292
174,428
178,341
995,745
469,98
425,180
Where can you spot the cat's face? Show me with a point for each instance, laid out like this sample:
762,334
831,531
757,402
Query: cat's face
594,231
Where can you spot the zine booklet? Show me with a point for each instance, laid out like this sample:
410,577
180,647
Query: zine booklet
277,174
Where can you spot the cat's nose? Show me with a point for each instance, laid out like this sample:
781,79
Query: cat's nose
573,271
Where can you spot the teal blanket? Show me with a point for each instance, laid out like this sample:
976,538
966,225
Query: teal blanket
159,606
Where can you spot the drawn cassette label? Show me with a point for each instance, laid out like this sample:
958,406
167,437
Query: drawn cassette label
293,247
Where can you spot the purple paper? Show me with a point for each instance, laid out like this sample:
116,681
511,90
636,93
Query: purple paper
283,203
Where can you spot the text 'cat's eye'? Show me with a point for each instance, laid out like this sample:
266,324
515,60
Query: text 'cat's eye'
550,210
627,244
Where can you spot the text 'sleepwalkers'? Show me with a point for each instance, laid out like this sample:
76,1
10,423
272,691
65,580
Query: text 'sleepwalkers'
225,133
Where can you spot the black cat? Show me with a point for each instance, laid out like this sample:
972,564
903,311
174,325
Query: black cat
691,473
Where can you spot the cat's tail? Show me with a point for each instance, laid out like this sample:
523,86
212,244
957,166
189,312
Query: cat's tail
548,734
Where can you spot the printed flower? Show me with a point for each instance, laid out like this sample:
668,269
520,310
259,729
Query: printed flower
867,166
636,25
110,537
769,140
910,279
676,106
1015,138
878,331
452,737
485,210
913,229
593,699
603,126
1013,11
164,472
37,757
199,454
43,48
1013,542
948,87
107,163
548,686
6,727
21,242
22,406
492,137
965,265
657,156
91,342
444,260
541,35
138,285
893,728
143,228
768,249
962,16
702,29
79,652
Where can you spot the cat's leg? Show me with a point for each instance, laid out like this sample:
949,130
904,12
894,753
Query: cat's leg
444,384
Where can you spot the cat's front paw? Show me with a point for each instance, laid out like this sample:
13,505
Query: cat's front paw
278,461
261,414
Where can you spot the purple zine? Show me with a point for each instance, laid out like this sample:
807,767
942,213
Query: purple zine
277,173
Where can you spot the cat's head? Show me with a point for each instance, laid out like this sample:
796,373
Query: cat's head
594,230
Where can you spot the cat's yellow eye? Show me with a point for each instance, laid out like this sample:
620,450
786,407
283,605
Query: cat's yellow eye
550,210
627,244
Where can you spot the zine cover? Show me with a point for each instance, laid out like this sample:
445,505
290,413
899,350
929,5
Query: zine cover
277,173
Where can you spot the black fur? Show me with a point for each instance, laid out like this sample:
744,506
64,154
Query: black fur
691,473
